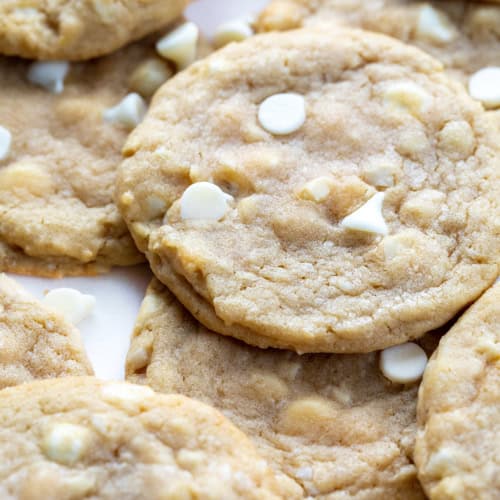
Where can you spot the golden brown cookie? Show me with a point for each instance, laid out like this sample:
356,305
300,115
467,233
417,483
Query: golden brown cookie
458,443
62,128
316,190
331,424
35,342
57,215
84,438
465,36
79,29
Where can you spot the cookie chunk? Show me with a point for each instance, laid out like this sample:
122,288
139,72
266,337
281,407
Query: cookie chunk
322,191
35,342
57,215
458,445
465,36
79,29
84,438
330,424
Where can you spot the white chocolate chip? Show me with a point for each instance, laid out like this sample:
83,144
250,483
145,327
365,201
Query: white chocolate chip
305,473
396,246
127,198
232,31
457,139
150,305
127,396
179,45
443,462
138,358
282,114
49,75
412,142
422,207
149,76
190,459
243,481
156,206
408,96
381,173
434,26
5,141
403,363
81,484
219,65
72,304
368,217
484,85
129,112
317,190
204,200
26,176
66,443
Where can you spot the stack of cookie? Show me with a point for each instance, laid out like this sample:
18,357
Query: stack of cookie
319,204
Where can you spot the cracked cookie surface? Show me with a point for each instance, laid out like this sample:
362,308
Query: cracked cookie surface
331,424
84,438
458,441
279,267
79,29
35,342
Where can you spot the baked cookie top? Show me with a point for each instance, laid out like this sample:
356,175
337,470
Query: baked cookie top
34,341
458,444
79,29
85,438
57,173
316,190
464,36
331,424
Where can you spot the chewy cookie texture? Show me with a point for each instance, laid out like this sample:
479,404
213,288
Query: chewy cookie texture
459,412
79,29
325,195
361,214
60,145
331,424
35,342
85,438
58,168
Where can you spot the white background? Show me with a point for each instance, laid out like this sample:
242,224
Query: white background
106,332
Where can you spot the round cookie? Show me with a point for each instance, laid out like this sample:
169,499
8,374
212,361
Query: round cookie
331,424
57,215
372,224
458,445
35,342
79,29
464,36
85,438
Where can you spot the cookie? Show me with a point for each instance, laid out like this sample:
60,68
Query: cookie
322,191
85,438
458,445
63,130
465,36
331,424
57,215
35,342
79,29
